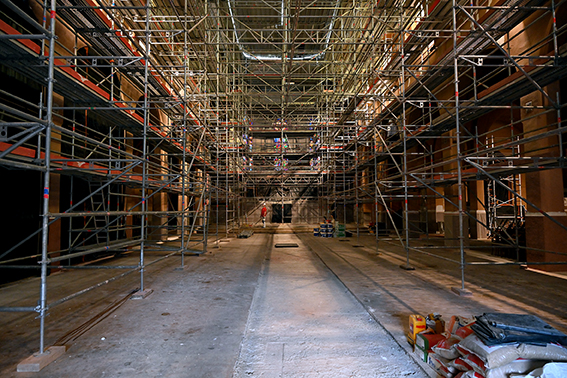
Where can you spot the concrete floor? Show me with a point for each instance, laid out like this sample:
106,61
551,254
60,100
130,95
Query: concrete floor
304,322
328,308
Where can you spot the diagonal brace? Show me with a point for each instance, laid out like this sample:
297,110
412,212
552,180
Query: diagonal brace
479,167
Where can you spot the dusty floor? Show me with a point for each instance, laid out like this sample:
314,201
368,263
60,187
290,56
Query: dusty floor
304,323
327,308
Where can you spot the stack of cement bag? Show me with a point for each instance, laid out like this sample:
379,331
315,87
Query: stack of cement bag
497,346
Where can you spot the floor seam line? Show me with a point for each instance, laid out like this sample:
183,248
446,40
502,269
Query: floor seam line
261,275
365,309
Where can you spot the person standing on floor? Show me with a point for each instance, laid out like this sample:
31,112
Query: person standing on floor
263,214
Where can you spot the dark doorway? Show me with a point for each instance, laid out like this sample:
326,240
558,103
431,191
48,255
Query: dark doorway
277,213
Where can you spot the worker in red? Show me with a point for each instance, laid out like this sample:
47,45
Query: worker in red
263,214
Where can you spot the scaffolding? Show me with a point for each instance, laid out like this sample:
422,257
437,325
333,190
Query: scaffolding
118,130
154,124
424,114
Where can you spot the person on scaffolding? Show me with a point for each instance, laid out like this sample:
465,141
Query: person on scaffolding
263,214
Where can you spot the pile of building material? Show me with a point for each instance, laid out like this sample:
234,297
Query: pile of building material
329,230
245,234
489,346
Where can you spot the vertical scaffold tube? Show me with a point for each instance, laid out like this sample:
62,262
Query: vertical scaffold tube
458,143
46,183
144,145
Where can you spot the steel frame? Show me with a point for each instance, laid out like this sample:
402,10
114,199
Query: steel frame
381,103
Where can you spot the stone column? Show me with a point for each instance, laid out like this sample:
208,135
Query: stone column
159,203
478,230
544,188
451,215
451,219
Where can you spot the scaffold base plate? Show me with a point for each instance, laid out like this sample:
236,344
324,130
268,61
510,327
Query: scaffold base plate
407,267
36,362
461,292
142,294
